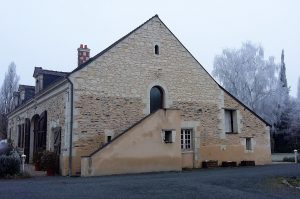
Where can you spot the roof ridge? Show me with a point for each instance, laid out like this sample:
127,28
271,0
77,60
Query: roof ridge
24,85
53,70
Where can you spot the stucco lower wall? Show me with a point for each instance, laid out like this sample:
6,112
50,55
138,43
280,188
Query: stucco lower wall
187,160
141,149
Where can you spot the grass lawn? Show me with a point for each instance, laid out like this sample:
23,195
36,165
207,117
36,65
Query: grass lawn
286,181
294,181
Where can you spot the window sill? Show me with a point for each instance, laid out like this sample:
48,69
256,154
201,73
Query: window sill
186,151
231,132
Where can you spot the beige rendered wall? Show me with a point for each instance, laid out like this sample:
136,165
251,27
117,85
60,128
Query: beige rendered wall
141,149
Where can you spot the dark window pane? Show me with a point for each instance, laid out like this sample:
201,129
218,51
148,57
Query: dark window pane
108,138
156,99
156,50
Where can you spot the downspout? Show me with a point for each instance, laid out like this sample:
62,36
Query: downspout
71,128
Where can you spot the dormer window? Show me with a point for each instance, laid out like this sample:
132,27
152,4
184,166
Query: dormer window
156,49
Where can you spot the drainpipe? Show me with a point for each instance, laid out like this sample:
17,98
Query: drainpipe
71,128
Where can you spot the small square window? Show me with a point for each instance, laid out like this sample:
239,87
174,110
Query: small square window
248,144
168,136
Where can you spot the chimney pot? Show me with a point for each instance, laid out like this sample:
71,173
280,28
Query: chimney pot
83,54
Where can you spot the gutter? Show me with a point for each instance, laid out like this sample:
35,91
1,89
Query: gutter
71,128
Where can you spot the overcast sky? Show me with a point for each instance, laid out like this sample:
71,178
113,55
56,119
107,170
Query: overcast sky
48,33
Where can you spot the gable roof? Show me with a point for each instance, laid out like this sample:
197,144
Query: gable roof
127,35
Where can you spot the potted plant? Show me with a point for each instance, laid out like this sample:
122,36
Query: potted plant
48,162
210,164
37,160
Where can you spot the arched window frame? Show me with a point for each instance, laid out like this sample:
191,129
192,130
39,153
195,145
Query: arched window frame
167,102
160,101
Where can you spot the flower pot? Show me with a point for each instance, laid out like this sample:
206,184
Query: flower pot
229,164
247,163
37,166
50,172
210,164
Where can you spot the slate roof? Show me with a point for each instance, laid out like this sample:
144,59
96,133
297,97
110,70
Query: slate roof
29,92
40,70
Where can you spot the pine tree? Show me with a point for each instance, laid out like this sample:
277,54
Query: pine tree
284,105
283,80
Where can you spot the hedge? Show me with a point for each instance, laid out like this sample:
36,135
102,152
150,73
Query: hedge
10,164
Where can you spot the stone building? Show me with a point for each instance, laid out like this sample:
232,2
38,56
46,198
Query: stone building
143,104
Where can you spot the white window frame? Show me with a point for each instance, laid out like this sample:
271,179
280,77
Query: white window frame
172,136
248,144
185,146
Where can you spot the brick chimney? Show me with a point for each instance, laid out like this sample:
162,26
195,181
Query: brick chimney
83,54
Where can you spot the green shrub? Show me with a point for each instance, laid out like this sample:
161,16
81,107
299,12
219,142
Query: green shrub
291,159
10,164
37,157
48,160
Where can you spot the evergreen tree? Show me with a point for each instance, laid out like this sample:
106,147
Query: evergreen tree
283,80
284,106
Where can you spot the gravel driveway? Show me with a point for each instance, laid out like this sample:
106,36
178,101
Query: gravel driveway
248,182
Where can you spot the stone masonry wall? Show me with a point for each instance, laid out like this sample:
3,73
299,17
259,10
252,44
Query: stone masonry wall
55,104
232,147
96,115
112,92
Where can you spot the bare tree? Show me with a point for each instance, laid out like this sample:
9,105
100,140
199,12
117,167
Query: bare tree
250,77
9,86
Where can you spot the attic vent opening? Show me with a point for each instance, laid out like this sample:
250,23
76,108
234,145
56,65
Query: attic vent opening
156,49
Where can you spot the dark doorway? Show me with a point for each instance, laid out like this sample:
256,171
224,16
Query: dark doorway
40,132
57,146
35,128
156,99
27,139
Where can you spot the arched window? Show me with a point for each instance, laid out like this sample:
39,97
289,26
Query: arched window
156,98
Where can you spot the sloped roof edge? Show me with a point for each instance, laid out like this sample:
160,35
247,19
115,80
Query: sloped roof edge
215,80
245,106
110,47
